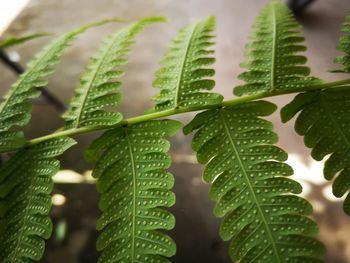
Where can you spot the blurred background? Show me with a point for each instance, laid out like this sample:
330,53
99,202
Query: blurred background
75,199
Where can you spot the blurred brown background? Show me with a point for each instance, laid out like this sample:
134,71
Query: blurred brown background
196,231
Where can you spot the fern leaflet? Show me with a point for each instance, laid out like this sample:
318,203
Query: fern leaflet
15,109
12,41
25,202
274,61
98,86
324,123
249,182
183,81
133,183
344,45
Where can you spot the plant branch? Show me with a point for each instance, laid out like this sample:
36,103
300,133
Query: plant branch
166,113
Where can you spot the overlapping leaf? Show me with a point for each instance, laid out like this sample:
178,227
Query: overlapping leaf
184,80
344,45
25,202
98,86
15,109
274,60
250,184
13,41
134,185
323,120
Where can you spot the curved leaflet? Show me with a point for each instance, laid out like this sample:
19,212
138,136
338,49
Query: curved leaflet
344,46
185,76
323,120
15,109
13,41
274,60
98,88
134,185
249,181
25,201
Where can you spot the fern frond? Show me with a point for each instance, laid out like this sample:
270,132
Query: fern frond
274,54
323,120
98,86
184,78
344,46
15,109
250,183
134,184
13,41
25,202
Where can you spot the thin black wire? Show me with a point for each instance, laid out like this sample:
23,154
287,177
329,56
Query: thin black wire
19,69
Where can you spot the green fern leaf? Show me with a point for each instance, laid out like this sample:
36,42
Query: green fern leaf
273,52
250,183
98,86
15,109
13,41
133,183
324,122
184,79
344,46
25,202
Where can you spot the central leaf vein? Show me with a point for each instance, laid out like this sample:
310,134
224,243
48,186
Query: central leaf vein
250,187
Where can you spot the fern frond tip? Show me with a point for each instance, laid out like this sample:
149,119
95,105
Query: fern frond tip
15,108
184,79
12,41
273,53
97,94
343,46
155,19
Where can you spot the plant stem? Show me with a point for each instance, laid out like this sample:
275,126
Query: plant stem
166,113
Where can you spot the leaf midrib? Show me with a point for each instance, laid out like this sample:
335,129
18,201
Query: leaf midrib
251,190
23,223
132,161
183,67
274,48
91,82
13,91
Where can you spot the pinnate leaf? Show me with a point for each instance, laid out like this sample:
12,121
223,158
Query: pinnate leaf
263,217
185,78
134,185
25,202
274,54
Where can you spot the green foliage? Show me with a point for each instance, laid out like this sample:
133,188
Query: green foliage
323,120
249,182
98,86
262,215
344,45
183,79
274,54
15,109
133,183
13,41
25,202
